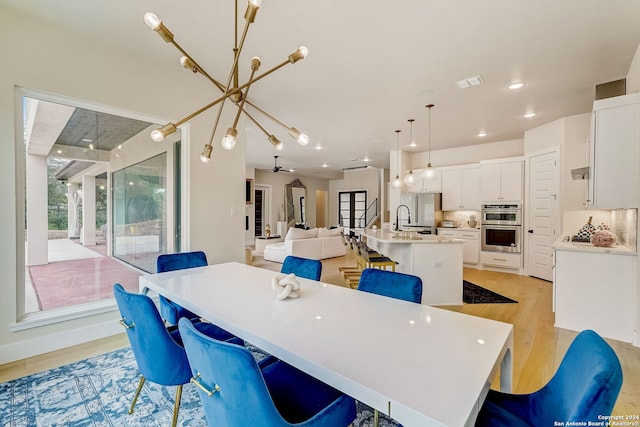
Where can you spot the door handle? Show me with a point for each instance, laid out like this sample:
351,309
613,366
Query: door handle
530,231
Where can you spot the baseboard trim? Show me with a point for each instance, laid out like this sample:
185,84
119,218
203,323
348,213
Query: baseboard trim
44,344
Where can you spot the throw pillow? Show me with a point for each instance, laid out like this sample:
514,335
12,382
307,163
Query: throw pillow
323,232
298,233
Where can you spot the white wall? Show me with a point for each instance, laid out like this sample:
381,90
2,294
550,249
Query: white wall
356,180
633,76
469,154
278,181
50,59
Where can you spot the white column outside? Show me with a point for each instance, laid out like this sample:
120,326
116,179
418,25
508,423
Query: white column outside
88,210
37,222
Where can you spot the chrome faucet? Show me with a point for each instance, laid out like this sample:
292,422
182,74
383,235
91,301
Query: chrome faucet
398,219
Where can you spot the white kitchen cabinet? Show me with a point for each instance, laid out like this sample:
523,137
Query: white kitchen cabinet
470,245
501,182
596,290
501,259
460,189
615,153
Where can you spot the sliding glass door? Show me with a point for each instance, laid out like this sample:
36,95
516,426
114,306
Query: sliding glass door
140,212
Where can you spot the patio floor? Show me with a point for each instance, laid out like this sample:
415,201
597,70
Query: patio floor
75,274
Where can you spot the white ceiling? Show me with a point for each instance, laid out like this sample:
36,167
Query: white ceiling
374,65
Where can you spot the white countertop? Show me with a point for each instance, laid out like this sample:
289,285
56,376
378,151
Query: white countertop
387,236
562,245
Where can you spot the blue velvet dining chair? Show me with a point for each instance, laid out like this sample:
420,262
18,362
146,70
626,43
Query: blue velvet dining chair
302,267
169,310
159,353
235,392
391,284
584,388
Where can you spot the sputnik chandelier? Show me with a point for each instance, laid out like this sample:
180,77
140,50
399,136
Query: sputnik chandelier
232,90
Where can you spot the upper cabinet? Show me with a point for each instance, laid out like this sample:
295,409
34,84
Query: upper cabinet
501,182
460,188
615,153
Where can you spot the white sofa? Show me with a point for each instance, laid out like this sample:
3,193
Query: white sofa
315,243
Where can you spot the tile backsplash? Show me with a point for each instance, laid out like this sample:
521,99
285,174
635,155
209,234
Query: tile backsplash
460,218
624,224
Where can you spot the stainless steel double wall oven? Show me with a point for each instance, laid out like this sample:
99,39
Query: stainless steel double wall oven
501,227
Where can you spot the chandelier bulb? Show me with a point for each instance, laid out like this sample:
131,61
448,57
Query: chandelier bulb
255,63
229,140
256,3
187,63
299,54
158,135
152,21
205,157
303,139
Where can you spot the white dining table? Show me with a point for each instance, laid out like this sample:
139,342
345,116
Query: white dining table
421,365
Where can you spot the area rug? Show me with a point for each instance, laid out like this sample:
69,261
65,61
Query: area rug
474,294
98,392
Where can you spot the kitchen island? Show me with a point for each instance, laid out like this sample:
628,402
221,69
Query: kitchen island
437,260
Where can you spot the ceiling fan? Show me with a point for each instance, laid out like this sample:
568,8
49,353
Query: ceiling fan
277,168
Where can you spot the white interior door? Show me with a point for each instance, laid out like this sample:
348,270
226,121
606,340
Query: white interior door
543,213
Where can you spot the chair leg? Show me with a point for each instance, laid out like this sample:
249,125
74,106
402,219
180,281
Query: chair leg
135,397
376,418
176,406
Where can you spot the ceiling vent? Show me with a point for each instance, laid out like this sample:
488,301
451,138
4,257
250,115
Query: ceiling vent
355,168
469,81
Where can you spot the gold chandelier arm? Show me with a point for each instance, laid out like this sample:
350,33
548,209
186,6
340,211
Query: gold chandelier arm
255,64
268,115
272,138
234,67
223,97
256,123
189,63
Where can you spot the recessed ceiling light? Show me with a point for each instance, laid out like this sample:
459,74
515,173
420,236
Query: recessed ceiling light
482,134
318,147
529,114
325,165
516,85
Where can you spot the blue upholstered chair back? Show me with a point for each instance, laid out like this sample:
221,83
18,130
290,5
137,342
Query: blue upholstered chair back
159,357
276,396
244,398
391,284
584,388
169,310
180,261
585,385
302,267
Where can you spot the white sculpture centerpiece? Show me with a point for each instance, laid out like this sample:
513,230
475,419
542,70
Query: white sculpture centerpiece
285,286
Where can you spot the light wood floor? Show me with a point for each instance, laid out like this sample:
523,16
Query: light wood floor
538,345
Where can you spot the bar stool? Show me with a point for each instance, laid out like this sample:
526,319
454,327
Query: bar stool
376,260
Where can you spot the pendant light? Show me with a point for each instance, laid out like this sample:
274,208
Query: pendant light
397,182
410,179
429,171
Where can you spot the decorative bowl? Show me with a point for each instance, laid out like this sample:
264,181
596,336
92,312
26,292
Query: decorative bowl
603,238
